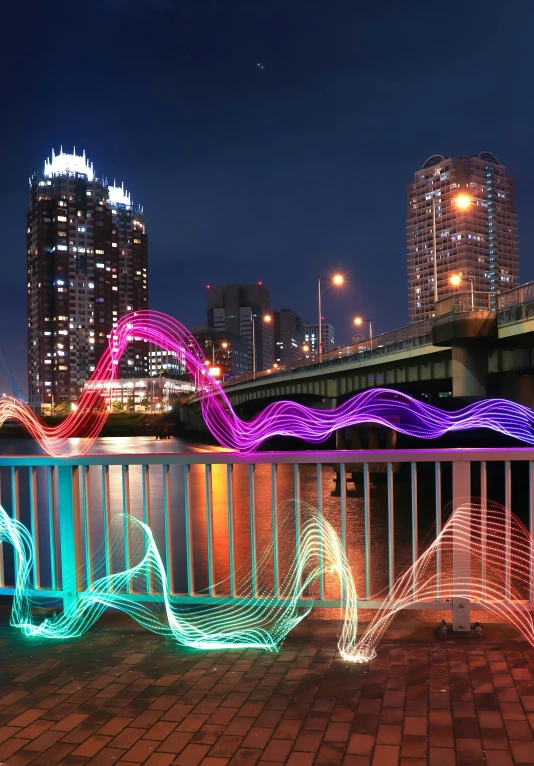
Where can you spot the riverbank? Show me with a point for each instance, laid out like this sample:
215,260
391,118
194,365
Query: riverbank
125,424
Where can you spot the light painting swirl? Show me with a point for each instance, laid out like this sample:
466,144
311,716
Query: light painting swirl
497,544
282,418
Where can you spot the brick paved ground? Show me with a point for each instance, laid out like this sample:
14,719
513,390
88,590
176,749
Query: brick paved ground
120,695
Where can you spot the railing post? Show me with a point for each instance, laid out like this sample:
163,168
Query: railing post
69,530
461,560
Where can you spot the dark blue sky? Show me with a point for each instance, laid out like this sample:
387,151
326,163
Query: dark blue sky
273,174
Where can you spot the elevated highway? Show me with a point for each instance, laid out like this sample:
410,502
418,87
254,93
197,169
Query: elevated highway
466,351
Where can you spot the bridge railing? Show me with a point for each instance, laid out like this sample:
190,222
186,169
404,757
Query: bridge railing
417,331
516,296
463,302
215,517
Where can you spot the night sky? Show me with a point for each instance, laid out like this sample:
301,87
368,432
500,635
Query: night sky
268,140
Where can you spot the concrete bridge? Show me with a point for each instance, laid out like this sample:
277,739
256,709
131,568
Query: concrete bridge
466,351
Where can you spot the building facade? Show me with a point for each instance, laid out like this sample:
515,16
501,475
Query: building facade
153,394
164,363
311,338
244,311
462,211
225,352
87,263
288,338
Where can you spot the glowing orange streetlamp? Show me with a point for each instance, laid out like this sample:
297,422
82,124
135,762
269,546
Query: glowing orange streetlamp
337,280
456,281
358,321
463,201
267,319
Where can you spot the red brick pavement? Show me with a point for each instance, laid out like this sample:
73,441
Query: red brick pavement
119,695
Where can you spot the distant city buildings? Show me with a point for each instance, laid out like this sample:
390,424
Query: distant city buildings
164,363
463,211
149,394
244,311
226,353
311,339
288,337
87,263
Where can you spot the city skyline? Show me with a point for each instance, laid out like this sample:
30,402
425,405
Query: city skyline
278,174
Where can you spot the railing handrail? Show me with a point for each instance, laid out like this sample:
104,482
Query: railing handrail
414,330
464,301
431,455
524,293
516,296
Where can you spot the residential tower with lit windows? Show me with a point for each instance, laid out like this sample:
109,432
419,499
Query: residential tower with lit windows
461,224
86,267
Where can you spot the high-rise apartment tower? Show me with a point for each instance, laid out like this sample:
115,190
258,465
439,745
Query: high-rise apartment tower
461,211
87,267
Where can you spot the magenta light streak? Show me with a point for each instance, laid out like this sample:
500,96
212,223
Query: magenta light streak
381,406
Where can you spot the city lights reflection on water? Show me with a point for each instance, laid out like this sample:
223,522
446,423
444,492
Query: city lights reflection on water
263,514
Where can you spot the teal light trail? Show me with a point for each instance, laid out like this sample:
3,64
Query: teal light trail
261,622
498,545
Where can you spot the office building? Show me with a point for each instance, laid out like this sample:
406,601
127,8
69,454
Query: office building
462,210
86,267
225,352
288,338
311,339
244,311
164,363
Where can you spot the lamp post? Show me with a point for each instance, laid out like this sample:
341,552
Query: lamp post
267,318
358,321
456,281
435,243
462,202
224,344
337,280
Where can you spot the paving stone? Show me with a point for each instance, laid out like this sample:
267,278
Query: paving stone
149,701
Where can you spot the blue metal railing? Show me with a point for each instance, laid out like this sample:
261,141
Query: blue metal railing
214,515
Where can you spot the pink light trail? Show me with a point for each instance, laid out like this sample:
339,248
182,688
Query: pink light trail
386,407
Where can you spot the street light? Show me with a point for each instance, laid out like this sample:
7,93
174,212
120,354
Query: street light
305,348
267,318
462,202
336,280
358,321
224,345
456,281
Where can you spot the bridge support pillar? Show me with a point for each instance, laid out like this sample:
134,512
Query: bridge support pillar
519,388
469,371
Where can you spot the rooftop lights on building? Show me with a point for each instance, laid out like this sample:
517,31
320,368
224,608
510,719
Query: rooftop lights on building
68,164
117,195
